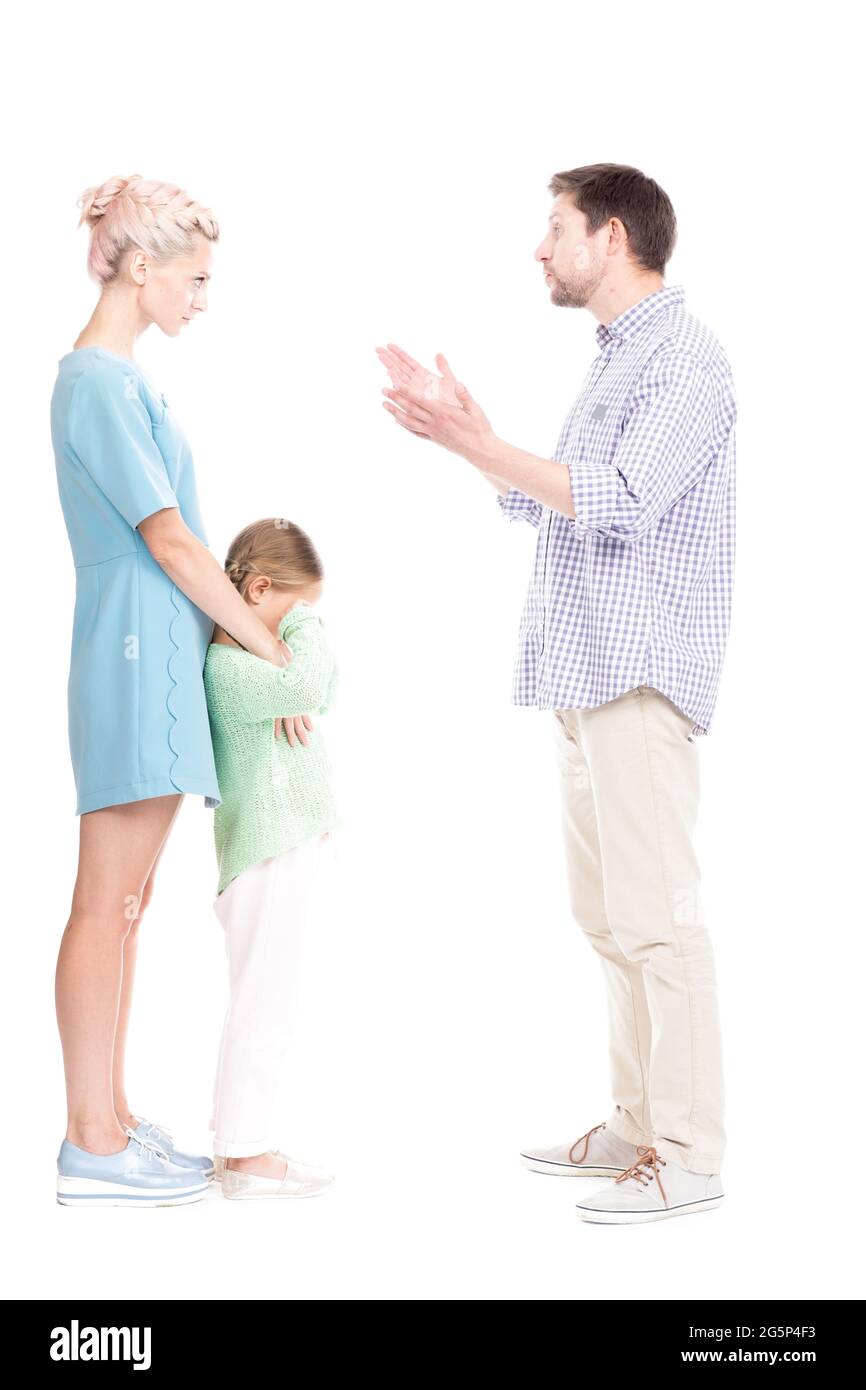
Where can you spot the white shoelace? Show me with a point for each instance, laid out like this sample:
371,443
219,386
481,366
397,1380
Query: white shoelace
148,1145
159,1129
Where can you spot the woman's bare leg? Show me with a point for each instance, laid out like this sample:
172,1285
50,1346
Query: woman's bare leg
117,849
122,1110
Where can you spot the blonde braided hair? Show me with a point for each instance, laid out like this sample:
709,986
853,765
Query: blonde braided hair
159,218
236,568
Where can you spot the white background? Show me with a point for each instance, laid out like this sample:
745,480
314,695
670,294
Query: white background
379,173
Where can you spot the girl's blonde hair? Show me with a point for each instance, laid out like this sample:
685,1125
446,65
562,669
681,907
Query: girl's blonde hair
155,217
277,548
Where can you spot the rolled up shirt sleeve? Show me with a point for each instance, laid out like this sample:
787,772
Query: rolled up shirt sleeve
665,446
516,504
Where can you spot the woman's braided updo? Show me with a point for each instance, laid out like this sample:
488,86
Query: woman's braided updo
156,217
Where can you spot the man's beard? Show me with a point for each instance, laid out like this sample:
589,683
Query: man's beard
577,293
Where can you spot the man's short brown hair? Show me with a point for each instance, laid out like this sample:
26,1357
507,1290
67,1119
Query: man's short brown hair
602,191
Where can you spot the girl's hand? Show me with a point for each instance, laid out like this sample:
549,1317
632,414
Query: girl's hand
406,373
296,727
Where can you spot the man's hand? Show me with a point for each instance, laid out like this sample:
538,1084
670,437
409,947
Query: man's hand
436,407
440,408
407,374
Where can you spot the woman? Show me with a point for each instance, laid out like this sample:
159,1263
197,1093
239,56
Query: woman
147,593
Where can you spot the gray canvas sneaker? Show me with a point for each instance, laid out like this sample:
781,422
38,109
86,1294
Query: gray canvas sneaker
597,1154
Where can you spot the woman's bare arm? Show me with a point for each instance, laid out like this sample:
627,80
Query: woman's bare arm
199,575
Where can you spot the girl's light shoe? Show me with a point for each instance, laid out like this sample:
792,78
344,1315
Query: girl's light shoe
597,1154
219,1164
141,1175
650,1190
160,1136
299,1180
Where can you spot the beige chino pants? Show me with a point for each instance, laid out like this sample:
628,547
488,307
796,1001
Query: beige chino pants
630,781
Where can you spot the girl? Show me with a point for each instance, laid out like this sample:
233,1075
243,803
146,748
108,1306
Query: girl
272,828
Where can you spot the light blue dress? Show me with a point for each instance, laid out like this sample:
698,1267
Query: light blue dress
138,720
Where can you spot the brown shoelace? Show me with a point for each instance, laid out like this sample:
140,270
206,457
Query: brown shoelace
586,1137
649,1160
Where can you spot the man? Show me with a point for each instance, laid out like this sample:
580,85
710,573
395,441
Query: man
622,636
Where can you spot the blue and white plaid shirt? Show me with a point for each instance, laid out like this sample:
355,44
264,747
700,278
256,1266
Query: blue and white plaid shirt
636,588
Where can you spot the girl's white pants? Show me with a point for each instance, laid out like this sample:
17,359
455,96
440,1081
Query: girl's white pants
263,912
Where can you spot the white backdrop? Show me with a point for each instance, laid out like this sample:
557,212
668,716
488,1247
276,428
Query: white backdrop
379,173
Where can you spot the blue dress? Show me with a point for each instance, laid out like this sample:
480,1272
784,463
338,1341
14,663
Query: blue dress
138,720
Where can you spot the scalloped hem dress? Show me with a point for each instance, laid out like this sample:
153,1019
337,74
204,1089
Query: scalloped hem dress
137,712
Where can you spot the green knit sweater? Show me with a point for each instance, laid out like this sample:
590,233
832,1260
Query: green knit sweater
274,796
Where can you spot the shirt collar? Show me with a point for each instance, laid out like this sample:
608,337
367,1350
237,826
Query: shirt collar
636,317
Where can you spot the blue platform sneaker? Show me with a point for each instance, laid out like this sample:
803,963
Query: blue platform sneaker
159,1135
141,1175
